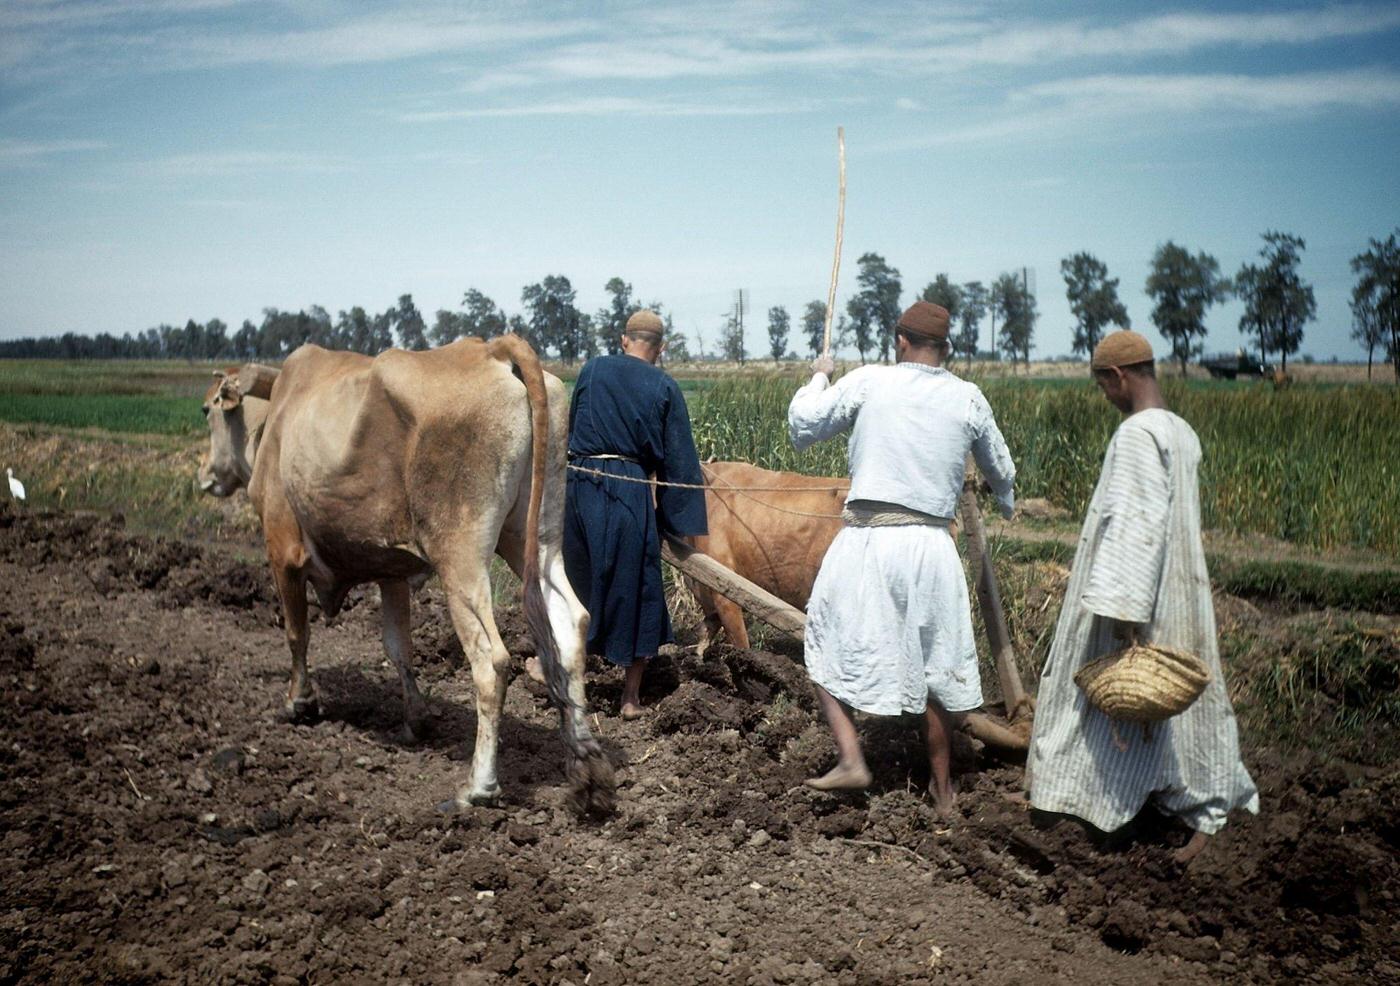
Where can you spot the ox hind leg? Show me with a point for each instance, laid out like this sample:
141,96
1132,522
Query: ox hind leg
469,602
591,775
398,645
302,704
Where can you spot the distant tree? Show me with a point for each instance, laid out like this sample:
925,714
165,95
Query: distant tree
447,327
354,330
1377,293
1367,328
1011,299
1277,302
612,320
588,336
481,317
778,325
973,308
381,333
216,341
409,322
554,320
318,326
941,291
875,307
1183,288
1093,298
843,333
731,342
862,325
244,345
517,325
814,325
677,347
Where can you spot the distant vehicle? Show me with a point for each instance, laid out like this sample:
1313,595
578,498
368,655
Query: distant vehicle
1239,364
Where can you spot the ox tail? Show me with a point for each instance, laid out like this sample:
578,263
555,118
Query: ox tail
591,780
518,352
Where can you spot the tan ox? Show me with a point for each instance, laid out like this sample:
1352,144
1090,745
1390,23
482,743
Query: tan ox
388,469
775,536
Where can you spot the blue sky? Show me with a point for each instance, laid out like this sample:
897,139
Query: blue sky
168,159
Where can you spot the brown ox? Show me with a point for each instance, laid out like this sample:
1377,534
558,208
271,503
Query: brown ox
388,469
773,528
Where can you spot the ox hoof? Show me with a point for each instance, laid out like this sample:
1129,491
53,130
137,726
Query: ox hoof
414,733
487,797
300,711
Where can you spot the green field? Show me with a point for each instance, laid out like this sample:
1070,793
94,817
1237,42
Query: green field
1313,465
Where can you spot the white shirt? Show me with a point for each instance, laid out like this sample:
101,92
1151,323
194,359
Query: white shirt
912,426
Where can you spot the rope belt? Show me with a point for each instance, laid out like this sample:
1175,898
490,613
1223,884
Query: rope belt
872,513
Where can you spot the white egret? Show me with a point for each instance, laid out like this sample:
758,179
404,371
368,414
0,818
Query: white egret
16,487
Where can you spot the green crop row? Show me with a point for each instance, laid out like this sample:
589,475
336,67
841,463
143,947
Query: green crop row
140,413
1311,465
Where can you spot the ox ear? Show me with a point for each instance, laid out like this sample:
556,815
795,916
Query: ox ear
229,396
256,380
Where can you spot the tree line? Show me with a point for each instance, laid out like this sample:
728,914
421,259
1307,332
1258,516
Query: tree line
1183,286
550,320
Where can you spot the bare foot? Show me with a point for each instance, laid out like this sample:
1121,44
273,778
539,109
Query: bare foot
632,710
533,669
1191,850
842,777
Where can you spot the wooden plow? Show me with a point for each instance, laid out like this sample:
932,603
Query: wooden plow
777,613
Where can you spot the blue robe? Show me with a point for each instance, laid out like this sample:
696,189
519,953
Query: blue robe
612,546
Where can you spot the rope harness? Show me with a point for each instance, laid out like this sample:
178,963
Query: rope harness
718,486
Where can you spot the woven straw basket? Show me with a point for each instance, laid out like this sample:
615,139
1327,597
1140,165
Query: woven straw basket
1143,683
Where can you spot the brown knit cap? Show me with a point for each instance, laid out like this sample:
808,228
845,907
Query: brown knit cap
645,322
1122,348
924,318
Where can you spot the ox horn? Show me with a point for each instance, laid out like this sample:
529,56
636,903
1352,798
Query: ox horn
228,396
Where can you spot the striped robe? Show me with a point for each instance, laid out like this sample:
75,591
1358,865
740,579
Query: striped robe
1140,560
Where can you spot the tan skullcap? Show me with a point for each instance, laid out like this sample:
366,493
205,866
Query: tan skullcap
645,322
924,318
1122,348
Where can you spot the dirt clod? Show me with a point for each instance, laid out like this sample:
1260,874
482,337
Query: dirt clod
164,827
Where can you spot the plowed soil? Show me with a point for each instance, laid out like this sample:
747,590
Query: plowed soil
159,825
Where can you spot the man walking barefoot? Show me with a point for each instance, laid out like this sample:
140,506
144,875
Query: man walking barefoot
1139,572
628,421
889,628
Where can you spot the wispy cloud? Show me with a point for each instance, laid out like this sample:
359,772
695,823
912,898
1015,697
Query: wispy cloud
32,152
1185,93
363,40
1089,104
728,47
1169,34
615,106
210,164
518,45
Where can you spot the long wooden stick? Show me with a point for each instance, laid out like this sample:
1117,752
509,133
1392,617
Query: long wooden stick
730,584
1013,693
840,235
